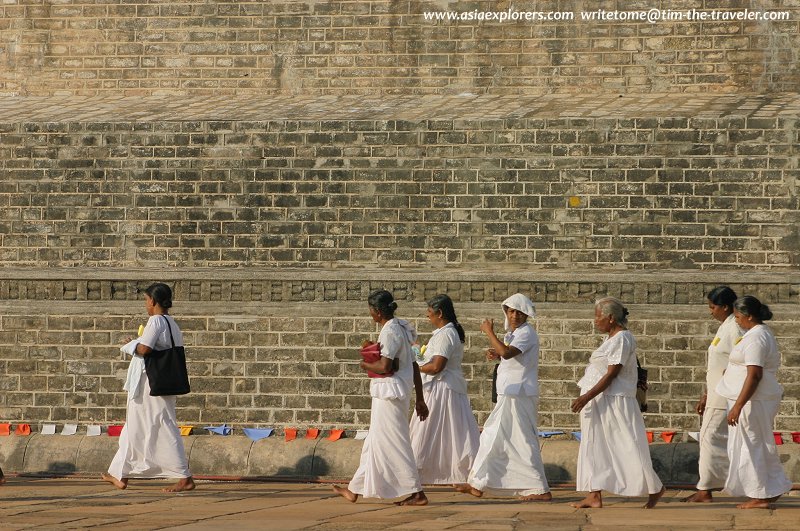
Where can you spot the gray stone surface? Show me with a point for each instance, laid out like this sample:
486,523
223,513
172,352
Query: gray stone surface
237,457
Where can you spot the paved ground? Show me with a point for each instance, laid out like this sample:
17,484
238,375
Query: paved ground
82,503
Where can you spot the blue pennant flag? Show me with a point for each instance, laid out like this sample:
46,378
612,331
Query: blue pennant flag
256,434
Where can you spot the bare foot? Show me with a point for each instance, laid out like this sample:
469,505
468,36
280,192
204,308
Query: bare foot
466,488
593,501
754,503
345,493
416,499
119,483
701,496
546,497
184,485
652,500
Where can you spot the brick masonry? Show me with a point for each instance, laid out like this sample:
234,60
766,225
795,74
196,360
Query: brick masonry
322,149
386,47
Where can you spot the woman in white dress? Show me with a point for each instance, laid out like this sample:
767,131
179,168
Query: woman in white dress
445,444
387,468
150,444
613,453
712,407
751,386
509,460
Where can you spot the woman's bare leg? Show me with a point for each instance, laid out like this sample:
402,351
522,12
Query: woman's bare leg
119,483
418,498
652,500
345,493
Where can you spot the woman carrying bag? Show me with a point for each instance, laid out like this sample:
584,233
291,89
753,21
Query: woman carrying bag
150,444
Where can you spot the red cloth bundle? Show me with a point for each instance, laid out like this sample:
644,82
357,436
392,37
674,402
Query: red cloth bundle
371,352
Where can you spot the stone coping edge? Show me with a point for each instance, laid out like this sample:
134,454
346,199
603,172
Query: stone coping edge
236,457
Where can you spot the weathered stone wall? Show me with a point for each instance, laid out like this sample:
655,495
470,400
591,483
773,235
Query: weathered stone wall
370,47
280,349
322,149
685,192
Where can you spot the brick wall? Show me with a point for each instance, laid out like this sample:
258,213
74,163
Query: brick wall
683,192
290,359
371,47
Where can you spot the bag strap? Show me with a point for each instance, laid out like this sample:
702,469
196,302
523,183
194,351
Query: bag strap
172,339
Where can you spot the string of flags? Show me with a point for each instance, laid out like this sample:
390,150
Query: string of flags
291,434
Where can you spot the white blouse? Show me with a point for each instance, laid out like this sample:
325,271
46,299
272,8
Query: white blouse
520,375
619,349
757,347
718,353
445,343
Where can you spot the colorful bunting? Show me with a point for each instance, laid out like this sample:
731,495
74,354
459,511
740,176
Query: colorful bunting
335,435
256,434
224,429
115,430
23,429
5,429
548,434
186,430
290,434
312,433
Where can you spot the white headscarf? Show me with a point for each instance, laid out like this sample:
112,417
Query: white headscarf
521,303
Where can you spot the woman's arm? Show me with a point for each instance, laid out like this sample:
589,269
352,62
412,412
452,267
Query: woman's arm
382,366
435,366
500,349
602,385
751,381
143,350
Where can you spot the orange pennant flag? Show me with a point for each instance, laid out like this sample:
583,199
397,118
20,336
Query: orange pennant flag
312,433
335,435
649,436
5,429
23,429
667,436
290,434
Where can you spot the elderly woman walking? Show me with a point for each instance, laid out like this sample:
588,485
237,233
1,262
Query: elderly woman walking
613,454
750,385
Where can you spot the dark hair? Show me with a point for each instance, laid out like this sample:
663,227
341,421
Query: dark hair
383,302
722,296
750,306
161,294
443,303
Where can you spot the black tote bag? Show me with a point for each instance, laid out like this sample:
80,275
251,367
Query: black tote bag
166,370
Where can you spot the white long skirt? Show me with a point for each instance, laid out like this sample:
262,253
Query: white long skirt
713,462
387,468
755,470
613,454
509,461
150,444
446,443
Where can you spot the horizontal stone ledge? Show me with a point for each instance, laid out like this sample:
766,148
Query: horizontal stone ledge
273,458
298,285
227,110
501,273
